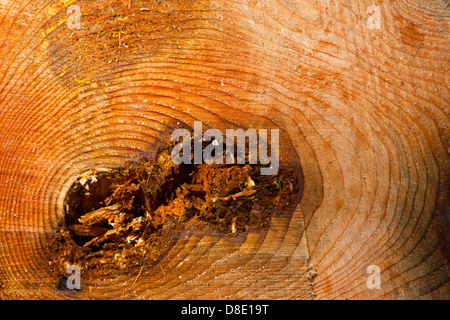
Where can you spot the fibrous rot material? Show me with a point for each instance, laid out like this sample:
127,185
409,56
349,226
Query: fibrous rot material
123,217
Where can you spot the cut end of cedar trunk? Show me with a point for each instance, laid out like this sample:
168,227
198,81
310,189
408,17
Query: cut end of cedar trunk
358,91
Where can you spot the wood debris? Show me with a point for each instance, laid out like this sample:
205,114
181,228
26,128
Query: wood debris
148,199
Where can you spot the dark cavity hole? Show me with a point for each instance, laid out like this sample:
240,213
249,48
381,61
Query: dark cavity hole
120,217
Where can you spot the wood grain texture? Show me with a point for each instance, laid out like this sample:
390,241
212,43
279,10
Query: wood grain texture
364,111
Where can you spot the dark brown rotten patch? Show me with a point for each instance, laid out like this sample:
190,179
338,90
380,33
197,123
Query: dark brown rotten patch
120,218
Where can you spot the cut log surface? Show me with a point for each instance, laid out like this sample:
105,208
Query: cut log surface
362,106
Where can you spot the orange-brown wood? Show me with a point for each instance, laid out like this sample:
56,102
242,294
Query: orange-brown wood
365,112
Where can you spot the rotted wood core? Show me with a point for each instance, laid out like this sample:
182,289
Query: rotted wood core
122,218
